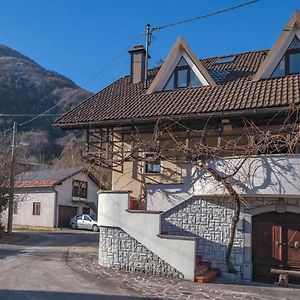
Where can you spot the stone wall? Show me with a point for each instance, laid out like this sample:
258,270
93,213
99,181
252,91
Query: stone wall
206,219
119,250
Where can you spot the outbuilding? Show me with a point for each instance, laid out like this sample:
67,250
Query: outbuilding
49,198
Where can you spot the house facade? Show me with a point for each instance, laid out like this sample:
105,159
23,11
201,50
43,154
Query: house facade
169,215
49,198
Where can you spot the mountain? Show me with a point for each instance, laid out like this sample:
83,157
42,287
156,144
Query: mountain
28,88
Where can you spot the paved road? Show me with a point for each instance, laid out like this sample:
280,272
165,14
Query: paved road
36,268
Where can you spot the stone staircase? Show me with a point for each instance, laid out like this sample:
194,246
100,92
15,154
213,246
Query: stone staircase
176,250
204,272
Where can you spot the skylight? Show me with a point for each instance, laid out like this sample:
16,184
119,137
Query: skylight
226,59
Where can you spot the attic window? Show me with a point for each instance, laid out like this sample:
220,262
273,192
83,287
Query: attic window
226,59
290,62
183,76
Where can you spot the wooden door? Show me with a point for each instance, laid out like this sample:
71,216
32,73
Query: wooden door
65,213
275,244
293,244
266,246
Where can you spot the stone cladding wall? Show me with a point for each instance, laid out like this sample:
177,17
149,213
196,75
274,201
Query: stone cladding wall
119,250
207,220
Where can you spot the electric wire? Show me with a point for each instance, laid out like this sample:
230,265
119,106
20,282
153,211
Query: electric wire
205,16
46,112
88,81
28,115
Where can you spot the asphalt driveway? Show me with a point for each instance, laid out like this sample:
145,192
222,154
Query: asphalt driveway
36,268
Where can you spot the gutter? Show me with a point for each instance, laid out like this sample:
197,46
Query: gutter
120,122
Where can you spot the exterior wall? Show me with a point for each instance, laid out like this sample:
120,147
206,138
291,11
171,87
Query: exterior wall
25,199
208,219
132,177
64,192
144,227
270,175
119,250
50,198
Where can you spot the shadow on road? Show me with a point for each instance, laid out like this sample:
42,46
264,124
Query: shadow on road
43,295
57,238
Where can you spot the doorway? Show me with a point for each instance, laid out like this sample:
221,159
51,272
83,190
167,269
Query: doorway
275,244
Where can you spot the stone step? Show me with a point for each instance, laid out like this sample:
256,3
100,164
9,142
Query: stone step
201,269
206,277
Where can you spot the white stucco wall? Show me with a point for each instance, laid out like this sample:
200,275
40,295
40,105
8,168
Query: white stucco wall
261,175
24,217
49,204
145,227
64,191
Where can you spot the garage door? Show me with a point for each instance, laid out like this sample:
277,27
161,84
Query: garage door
65,213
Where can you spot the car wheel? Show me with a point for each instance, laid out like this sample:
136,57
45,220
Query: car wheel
95,228
73,226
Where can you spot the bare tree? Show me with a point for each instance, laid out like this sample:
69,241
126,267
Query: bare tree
72,156
5,162
176,141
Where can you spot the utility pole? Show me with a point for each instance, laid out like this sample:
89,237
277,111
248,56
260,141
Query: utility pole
148,42
12,180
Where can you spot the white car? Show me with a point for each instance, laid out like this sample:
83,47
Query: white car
84,222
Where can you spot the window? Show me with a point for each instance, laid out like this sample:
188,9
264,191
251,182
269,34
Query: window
290,62
36,208
79,189
183,76
15,208
152,165
226,59
86,218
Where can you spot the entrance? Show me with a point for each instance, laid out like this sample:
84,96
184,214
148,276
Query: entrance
65,213
275,244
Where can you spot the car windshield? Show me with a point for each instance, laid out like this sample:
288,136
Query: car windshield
94,218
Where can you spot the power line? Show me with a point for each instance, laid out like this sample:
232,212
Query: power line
205,16
46,112
28,115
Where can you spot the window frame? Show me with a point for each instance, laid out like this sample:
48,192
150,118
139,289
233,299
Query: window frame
287,60
182,68
155,162
36,208
79,193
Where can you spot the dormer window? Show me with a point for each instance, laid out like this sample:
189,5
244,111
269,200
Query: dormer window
290,62
182,77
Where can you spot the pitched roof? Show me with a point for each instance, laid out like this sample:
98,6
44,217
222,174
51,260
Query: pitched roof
180,49
46,177
276,53
123,102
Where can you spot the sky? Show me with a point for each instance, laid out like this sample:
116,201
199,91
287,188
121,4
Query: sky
79,38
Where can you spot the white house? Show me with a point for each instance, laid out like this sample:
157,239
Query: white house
49,198
147,127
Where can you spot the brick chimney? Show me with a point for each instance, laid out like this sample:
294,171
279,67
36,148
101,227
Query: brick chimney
138,55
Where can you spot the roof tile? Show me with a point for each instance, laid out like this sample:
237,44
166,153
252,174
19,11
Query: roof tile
235,90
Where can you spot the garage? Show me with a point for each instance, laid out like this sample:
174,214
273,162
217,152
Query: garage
65,213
